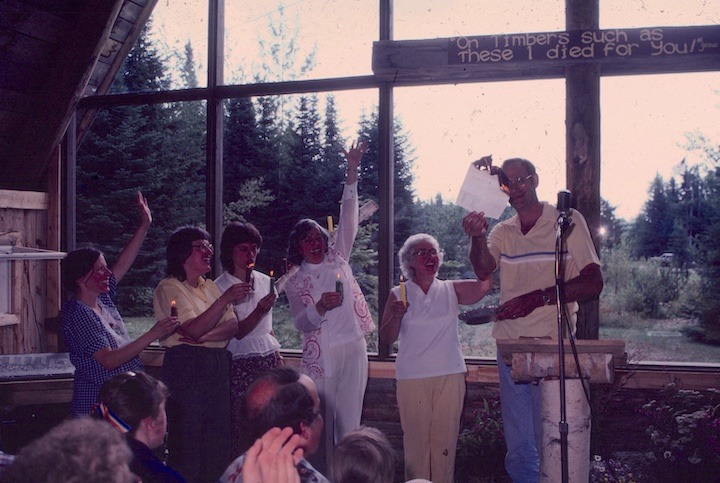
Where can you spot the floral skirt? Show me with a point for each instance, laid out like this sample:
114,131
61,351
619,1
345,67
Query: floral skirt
243,371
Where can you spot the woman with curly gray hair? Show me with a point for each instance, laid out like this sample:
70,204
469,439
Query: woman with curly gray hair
430,370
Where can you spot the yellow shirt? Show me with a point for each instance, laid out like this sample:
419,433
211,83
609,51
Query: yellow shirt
190,302
527,263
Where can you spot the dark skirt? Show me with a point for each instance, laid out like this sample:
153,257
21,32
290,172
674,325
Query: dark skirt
198,411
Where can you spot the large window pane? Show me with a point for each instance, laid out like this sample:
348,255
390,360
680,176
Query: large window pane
172,50
425,19
155,149
448,127
272,42
284,162
666,13
660,140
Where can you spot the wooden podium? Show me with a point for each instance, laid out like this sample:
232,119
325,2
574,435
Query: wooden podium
536,360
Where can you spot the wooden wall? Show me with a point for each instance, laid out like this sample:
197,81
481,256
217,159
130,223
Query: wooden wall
35,282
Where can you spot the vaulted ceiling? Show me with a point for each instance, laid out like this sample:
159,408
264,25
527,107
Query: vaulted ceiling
53,52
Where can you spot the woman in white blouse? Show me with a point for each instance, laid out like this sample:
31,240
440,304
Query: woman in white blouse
430,368
258,351
330,310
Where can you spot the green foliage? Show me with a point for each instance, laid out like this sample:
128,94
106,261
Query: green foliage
481,445
645,288
137,301
684,435
614,471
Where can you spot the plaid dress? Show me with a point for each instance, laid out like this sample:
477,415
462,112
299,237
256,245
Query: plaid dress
86,333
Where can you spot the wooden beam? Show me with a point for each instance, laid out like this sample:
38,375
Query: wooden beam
24,200
541,55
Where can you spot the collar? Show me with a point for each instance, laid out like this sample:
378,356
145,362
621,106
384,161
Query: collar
548,215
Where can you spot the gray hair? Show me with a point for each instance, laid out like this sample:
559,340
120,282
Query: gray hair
406,251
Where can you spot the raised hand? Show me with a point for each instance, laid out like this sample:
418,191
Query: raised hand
145,213
354,155
475,224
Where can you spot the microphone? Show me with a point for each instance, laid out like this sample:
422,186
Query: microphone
563,206
563,201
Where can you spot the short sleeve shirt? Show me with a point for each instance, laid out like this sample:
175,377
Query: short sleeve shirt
527,263
190,302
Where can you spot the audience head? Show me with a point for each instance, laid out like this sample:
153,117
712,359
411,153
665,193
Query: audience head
134,402
180,247
282,397
80,450
301,232
407,251
77,265
236,233
363,455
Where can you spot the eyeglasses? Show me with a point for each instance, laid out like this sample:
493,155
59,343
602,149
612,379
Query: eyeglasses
520,182
204,247
424,252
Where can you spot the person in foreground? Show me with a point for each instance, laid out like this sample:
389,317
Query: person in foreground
134,404
196,371
430,367
522,248
80,450
363,455
330,310
94,331
280,398
258,350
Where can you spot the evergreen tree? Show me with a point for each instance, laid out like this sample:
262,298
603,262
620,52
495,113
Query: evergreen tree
612,227
654,225
403,160
187,72
156,149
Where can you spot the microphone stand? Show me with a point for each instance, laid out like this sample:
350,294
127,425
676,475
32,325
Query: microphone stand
563,222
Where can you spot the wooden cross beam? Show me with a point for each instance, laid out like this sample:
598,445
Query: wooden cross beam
649,50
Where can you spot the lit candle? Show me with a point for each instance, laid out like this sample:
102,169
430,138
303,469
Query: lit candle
339,285
403,291
248,271
272,281
173,309
330,224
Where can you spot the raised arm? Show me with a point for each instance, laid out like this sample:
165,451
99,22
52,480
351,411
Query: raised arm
471,291
475,226
129,253
348,223
353,157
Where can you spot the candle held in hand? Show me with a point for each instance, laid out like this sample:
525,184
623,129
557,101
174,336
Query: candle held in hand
173,309
272,281
330,226
248,271
403,291
339,285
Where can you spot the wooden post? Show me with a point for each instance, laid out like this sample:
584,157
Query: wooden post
582,124
52,287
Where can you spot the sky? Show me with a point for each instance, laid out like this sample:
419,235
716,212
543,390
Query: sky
644,118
